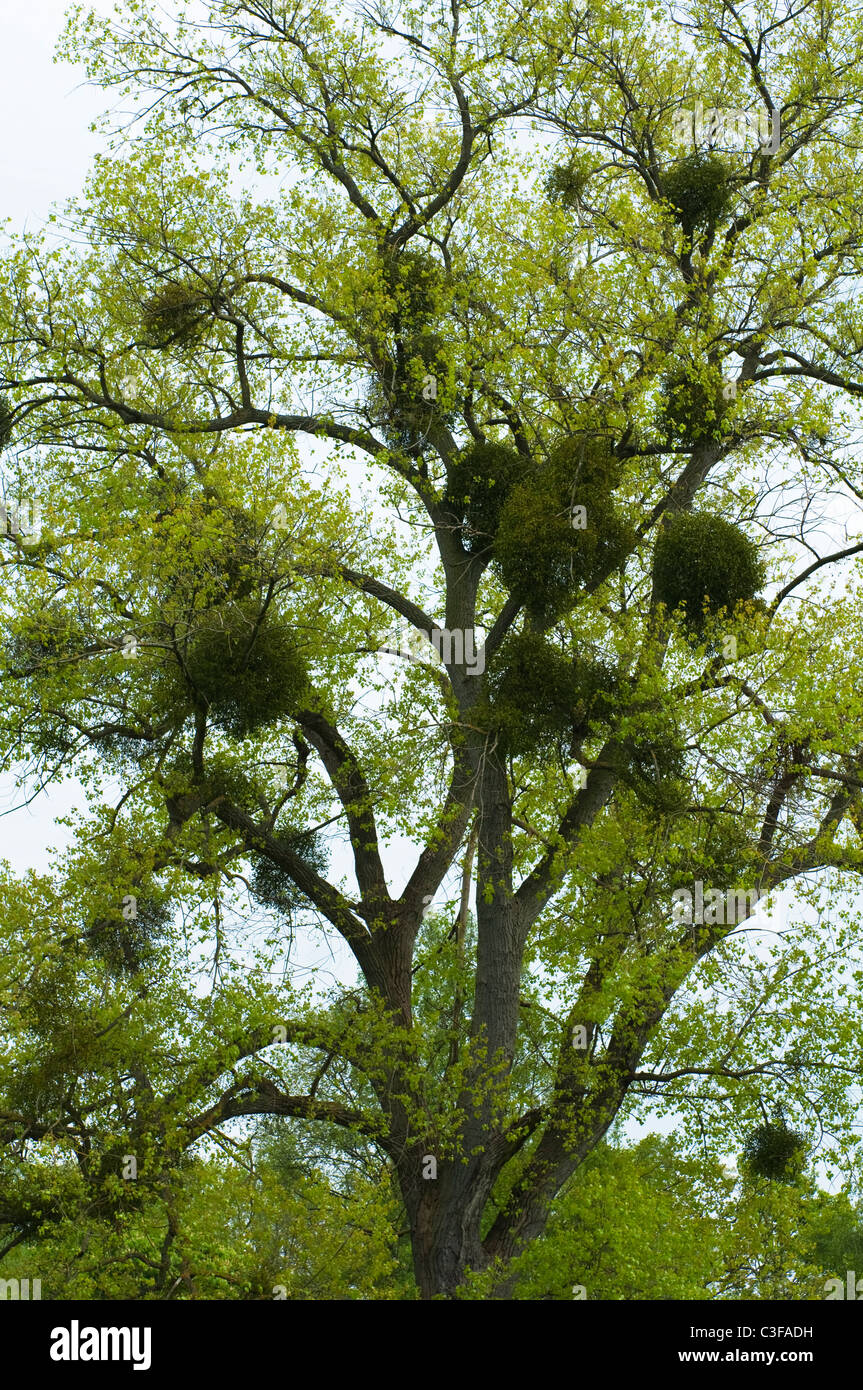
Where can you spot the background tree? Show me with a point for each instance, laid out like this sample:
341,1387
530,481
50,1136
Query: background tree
516,384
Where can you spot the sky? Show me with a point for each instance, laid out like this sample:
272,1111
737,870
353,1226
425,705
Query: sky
45,112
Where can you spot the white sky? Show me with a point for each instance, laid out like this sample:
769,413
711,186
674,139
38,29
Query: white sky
45,112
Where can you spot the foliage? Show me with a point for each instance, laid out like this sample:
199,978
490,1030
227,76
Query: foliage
698,187
836,1223
244,666
276,888
706,566
414,280
46,637
648,1223
125,939
480,480
174,314
774,1150
693,407
401,403
652,764
544,549
6,416
308,365
414,388
225,1233
566,183
539,701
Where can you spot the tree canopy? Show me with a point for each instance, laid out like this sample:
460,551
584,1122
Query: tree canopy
448,552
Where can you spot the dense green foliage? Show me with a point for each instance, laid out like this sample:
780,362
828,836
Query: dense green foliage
449,559
698,187
540,702
705,565
5,421
774,1150
545,549
245,670
480,480
307,1216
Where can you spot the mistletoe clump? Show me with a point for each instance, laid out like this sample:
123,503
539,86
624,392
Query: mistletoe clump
227,778
560,529
244,667
775,1151
540,702
417,385
175,314
726,848
41,1083
46,638
692,407
698,187
566,184
417,390
704,565
275,888
225,558
414,281
236,555
479,482
125,938
652,765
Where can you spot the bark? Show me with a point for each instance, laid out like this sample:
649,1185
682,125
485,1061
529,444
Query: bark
445,1213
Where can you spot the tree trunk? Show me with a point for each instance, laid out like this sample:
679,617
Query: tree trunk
445,1215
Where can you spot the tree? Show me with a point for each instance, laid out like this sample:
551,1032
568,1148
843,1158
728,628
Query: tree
542,373
645,1224
224,1230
